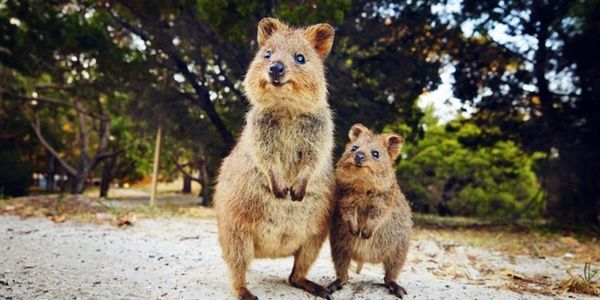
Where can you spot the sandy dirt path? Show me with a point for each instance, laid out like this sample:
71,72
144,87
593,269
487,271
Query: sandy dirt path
180,259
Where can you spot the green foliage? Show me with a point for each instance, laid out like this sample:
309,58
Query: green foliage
448,172
15,173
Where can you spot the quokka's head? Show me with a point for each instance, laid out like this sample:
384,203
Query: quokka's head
369,158
288,69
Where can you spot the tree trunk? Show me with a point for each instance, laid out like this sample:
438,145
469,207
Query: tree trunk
63,183
597,220
187,184
109,165
50,182
206,187
155,167
77,184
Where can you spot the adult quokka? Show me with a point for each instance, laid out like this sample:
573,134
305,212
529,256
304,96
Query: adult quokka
274,195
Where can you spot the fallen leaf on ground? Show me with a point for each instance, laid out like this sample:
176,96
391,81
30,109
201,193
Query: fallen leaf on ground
126,220
59,218
102,217
194,237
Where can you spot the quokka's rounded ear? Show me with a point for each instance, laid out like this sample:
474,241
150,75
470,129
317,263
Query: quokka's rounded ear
393,143
266,28
357,130
321,37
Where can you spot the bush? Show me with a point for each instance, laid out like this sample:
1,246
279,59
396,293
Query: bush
454,170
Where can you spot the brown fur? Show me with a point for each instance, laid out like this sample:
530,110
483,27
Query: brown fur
372,221
285,147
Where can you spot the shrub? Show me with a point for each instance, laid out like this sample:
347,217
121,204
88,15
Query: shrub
455,170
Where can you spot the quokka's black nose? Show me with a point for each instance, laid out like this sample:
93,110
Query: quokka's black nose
276,70
359,157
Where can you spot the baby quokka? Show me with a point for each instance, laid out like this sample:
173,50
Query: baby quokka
372,221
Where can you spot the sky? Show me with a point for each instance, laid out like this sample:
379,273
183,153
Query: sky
446,106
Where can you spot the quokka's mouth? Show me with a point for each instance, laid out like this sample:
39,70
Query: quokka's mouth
362,168
351,165
277,83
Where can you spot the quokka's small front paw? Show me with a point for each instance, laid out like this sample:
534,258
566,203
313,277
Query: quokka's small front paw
298,190
353,226
367,232
280,193
364,233
276,189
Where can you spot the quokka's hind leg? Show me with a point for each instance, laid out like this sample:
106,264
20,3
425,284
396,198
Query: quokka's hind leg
392,269
238,251
303,260
341,262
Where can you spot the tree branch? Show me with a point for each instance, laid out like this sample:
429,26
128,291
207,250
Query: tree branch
181,168
54,87
106,155
63,103
203,99
36,128
102,156
163,43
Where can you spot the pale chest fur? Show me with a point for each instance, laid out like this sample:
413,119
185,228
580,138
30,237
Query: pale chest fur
390,239
288,225
392,235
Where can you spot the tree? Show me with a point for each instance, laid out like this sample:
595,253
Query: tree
134,150
540,96
74,69
586,152
87,160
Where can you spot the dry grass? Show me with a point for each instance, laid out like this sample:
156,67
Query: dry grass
532,238
587,283
84,209
534,285
578,249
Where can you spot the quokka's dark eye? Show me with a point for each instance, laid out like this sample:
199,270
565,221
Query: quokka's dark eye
375,153
268,54
300,59
354,148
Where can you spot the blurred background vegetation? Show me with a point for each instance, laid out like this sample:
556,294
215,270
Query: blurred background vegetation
497,100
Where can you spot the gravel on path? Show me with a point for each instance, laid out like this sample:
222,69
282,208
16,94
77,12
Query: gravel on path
181,259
